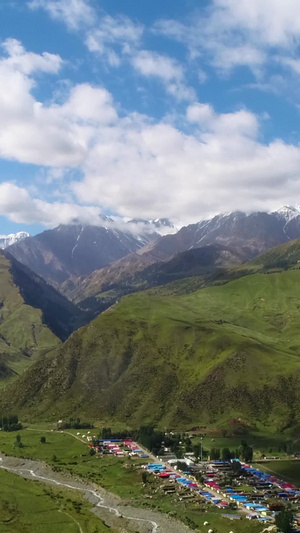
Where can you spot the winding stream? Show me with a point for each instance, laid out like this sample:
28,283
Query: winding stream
153,526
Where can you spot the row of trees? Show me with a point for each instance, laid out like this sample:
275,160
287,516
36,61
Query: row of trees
155,441
75,423
10,423
244,452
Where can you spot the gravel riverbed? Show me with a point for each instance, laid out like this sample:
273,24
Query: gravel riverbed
110,508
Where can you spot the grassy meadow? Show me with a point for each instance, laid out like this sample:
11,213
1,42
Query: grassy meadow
31,507
121,476
287,470
224,353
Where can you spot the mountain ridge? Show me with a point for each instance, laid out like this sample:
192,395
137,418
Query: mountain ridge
69,250
230,350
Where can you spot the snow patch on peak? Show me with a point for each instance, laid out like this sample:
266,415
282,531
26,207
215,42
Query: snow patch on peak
288,212
12,238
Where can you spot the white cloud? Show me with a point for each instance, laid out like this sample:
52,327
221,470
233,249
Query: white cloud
114,36
28,62
91,104
132,164
165,68
202,113
292,63
73,13
118,39
152,64
55,135
219,167
17,204
244,33
271,22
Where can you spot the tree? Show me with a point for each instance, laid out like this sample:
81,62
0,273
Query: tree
284,520
18,443
144,477
236,467
215,454
197,450
178,453
43,440
106,433
246,452
226,454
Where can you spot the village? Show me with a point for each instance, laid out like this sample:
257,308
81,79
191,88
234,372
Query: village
236,488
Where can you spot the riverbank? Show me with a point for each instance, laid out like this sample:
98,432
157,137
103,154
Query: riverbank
112,510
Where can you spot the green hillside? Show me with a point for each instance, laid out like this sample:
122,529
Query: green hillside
22,332
133,273
284,256
231,351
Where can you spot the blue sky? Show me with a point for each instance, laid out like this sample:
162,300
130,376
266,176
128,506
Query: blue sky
180,108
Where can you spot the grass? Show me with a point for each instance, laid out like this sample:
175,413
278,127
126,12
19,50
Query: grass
32,507
286,470
121,476
262,444
23,335
218,354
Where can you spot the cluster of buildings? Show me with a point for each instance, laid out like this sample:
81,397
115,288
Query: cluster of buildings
118,447
256,494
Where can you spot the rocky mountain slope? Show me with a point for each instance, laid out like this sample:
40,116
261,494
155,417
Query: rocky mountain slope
138,272
220,352
243,235
250,234
77,250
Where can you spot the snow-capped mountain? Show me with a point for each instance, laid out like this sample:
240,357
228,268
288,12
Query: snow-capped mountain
287,212
77,249
160,226
12,238
250,234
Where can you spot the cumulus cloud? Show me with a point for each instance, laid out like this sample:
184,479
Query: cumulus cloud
165,68
220,166
28,62
54,135
201,164
17,204
114,36
244,33
73,13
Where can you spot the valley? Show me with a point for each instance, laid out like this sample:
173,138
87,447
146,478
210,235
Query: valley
149,266
203,340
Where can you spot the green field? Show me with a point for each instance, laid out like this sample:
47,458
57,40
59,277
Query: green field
32,507
217,355
279,445
118,475
286,470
